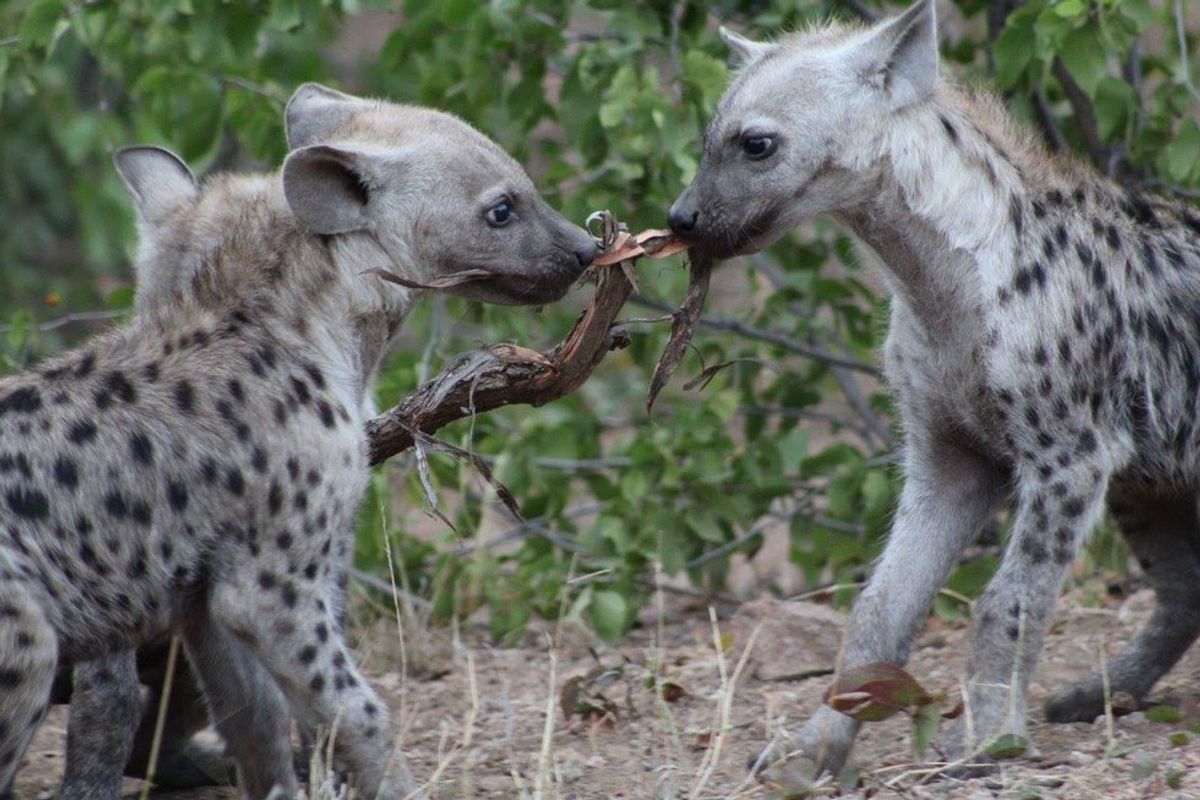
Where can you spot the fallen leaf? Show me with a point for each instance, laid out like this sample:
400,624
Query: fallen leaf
672,692
876,691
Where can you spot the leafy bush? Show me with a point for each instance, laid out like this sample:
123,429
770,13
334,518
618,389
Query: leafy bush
605,102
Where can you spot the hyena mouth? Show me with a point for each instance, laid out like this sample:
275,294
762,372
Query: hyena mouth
745,238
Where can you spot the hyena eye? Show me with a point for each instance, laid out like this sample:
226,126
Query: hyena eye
758,147
499,215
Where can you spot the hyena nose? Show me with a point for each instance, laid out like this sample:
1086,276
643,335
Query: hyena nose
682,219
586,253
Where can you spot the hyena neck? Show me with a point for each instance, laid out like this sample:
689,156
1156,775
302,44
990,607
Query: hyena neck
949,216
256,266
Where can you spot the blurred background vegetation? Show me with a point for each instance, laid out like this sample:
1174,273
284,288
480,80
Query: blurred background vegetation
792,445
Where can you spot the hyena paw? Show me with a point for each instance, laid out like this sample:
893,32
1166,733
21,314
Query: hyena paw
819,749
1079,702
194,765
965,759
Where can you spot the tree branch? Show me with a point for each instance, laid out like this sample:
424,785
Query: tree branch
780,340
1085,117
505,374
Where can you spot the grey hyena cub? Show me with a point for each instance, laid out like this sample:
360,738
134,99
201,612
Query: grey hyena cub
1044,345
198,471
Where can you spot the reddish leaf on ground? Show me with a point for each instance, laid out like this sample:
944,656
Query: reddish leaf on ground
873,692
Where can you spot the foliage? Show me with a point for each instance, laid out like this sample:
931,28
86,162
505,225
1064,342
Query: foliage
605,102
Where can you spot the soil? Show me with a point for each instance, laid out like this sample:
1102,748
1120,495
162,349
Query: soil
489,721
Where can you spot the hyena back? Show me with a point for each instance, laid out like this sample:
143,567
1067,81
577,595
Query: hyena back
198,471
1044,346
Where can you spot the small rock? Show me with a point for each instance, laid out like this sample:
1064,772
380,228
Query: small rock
797,639
1079,758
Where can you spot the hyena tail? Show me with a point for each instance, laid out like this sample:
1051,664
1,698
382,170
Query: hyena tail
28,655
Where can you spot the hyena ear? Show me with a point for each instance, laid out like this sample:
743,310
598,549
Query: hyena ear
157,179
901,55
315,113
746,50
327,188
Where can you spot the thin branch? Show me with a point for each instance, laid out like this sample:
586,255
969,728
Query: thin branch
1131,70
253,88
9,41
73,317
1181,37
379,585
779,339
860,404
1085,114
533,526
1047,122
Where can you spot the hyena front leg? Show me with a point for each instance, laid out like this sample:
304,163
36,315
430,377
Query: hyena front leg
1163,531
949,493
28,657
292,630
1053,518
106,705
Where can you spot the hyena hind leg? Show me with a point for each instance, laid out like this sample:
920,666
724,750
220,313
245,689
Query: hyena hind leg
28,657
246,706
1164,535
184,762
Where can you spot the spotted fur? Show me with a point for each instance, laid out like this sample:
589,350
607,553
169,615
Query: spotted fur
1044,347
198,471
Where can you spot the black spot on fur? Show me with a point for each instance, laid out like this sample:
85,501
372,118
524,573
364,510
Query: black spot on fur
185,397
1072,507
234,481
25,400
301,389
325,411
275,498
950,131
28,503
177,495
65,472
1034,550
141,448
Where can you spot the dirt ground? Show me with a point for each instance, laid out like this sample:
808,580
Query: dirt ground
487,722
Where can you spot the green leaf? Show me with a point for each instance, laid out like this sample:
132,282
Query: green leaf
1181,155
1007,746
1085,57
925,724
38,26
1114,102
1070,8
1015,47
609,614
1165,714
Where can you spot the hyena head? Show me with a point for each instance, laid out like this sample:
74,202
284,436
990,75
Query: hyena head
437,195
794,135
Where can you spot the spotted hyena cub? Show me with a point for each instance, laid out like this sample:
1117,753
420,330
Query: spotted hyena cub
198,471
1044,346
